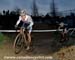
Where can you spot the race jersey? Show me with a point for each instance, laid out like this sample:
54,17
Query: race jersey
27,20
65,29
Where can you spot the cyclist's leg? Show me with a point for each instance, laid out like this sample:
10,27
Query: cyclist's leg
24,34
29,34
29,37
66,34
64,37
29,41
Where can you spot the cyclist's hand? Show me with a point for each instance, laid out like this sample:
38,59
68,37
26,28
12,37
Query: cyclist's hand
16,26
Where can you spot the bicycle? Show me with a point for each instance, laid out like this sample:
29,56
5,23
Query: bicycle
59,37
20,40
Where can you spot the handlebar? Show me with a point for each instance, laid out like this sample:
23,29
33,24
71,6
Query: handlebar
20,28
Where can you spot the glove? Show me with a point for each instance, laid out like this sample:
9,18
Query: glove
16,26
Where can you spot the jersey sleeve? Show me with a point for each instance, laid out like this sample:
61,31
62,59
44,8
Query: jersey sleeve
30,21
18,20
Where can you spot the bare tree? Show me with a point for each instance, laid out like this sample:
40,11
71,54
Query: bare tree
53,9
17,10
4,12
34,9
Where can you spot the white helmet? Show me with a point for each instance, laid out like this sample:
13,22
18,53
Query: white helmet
61,24
22,12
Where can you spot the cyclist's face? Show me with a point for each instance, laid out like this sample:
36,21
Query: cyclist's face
61,25
23,17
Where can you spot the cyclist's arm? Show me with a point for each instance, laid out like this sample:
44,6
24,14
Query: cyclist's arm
59,28
31,22
18,21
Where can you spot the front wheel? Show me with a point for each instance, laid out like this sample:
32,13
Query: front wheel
18,43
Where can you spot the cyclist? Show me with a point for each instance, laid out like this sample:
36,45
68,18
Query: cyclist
64,32
27,23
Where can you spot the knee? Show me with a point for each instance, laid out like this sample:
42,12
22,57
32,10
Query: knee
28,34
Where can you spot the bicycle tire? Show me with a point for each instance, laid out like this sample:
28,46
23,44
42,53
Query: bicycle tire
18,40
